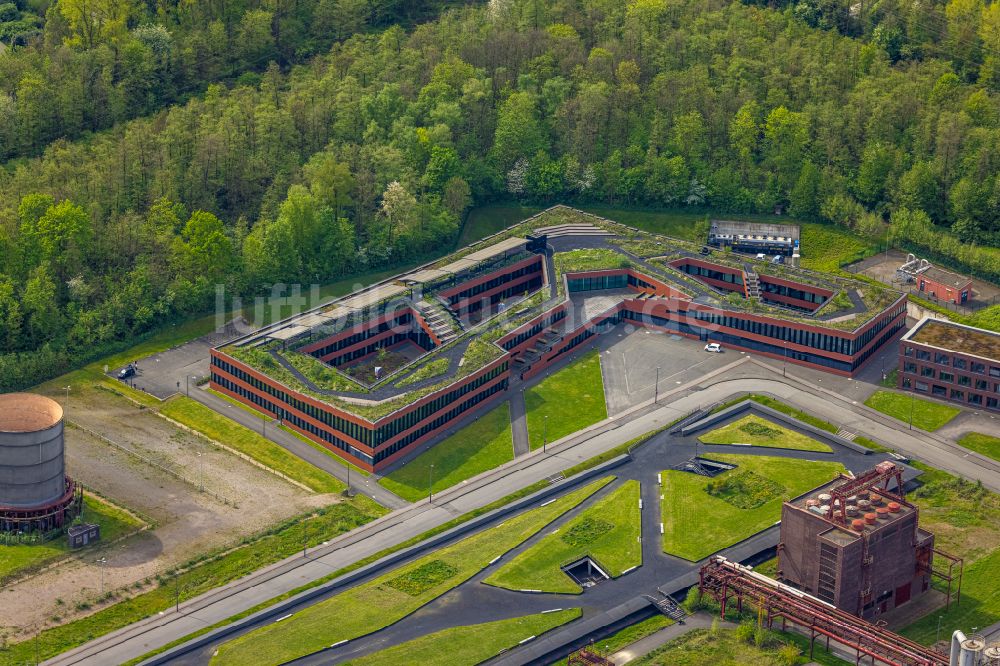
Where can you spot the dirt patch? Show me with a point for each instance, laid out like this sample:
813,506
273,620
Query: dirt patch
186,523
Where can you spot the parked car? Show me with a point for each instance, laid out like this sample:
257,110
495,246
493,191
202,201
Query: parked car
761,256
126,372
778,259
713,347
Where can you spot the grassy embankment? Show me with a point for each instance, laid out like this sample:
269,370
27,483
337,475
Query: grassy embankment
609,532
566,401
480,446
392,596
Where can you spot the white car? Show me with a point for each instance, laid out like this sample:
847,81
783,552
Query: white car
713,347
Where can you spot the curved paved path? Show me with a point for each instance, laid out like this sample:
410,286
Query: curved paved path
744,375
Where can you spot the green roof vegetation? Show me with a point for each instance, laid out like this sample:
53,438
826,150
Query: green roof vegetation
430,369
757,431
708,647
925,414
609,532
373,605
482,445
472,644
566,401
589,260
322,375
702,516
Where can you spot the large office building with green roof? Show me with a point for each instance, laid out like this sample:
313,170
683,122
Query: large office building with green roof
380,371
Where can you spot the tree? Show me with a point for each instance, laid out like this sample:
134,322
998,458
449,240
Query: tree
805,196
443,164
63,233
519,132
41,305
204,252
785,137
744,135
456,196
330,181
94,22
398,207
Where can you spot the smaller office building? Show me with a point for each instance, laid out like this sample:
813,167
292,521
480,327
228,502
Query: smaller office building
953,362
755,237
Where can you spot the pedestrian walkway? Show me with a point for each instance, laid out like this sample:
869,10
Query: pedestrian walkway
519,423
644,646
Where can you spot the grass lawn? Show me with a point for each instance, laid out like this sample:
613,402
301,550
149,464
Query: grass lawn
608,532
198,577
757,431
114,523
378,603
965,520
982,444
628,635
226,431
480,446
826,247
572,399
927,415
723,647
472,644
697,524
979,607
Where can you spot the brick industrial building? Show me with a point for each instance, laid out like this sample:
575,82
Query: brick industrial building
950,361
856,543
936,283
376,373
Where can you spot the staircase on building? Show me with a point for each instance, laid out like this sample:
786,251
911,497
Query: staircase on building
753,282
438,319
571,230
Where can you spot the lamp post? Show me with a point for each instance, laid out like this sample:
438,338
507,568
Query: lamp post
937,636
545,432
102,562
656,389
67,393
187,385
784,360
430,484
201,473
911,411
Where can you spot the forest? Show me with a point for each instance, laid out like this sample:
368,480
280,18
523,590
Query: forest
156,149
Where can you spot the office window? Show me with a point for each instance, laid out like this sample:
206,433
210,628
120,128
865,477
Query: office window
907,351
959,364
942,359
926,371
982,385
964,380
956,394
975,399
939,390
923,355
946,377
978,368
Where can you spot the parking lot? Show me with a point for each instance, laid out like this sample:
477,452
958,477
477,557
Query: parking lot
629,361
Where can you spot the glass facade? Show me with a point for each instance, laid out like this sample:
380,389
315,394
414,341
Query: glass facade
619,281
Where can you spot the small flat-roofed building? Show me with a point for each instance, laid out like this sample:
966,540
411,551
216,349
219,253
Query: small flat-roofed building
950,361
867,559
755,237
936,283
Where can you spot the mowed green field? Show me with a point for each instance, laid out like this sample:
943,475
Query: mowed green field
472,644
215,426
480,446
114,523
757,431
926,415
566,401
378,603
697,524
981,444
608,532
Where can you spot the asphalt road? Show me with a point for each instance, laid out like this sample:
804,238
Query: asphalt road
743,375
